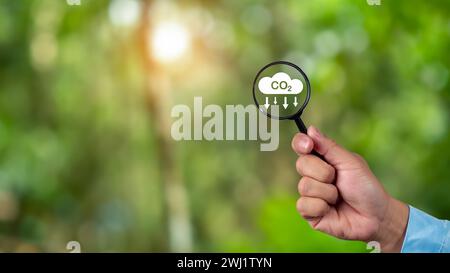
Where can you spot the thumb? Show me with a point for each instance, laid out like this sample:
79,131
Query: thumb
332,152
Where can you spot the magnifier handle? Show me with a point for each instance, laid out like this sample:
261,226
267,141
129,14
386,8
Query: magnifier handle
301,126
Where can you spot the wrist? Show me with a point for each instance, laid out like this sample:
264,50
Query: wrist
392,229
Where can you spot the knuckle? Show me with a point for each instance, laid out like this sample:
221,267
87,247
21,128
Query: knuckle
298,163
332,145
301,162
330,173
304,186
295,139
334,194
299,185
360,158
323,208
302,206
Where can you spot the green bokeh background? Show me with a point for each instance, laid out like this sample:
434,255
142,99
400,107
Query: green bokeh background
85,146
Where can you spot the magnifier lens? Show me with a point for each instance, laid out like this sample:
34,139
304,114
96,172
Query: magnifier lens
284,85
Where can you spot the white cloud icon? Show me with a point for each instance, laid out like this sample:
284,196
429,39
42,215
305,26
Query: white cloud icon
280,84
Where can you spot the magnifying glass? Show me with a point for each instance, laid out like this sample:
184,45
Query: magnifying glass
283,84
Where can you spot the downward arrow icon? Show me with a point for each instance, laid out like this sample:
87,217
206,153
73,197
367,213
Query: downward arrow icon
267,103
285,105
275,100
295,102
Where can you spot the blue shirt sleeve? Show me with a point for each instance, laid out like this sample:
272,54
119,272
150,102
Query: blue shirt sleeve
425,233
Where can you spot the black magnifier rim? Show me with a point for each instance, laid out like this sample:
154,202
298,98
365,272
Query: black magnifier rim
308,90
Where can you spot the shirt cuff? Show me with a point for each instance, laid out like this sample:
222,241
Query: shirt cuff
425,233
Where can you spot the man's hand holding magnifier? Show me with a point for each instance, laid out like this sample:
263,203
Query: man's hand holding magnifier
339,193
342,197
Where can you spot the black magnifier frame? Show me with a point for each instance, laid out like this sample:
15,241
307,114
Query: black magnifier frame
296,116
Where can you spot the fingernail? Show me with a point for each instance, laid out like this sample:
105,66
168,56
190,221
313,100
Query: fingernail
303,144
316,132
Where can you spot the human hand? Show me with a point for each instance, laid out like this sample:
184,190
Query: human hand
342,197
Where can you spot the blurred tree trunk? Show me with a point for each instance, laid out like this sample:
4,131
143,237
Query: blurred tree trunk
158,91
